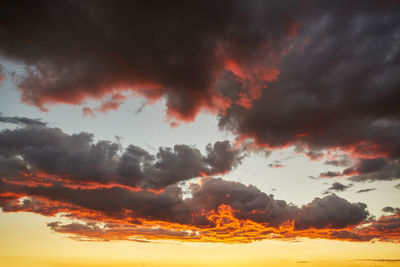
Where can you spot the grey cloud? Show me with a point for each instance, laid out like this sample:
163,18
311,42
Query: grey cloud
75,49
338,187
329,174
390,171
331,212
366,190
391,210
77,157
248,202
21,120
337,88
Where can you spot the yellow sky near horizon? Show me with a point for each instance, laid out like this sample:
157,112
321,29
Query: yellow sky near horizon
26,241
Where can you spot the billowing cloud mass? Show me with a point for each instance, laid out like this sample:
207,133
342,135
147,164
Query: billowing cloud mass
319,76
314,74
115,194
368,169
63,156
338,88
76,50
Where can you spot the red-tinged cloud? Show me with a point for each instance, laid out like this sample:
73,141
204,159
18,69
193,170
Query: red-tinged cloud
338,92
318,75
74,51
245,214
110,103
132,195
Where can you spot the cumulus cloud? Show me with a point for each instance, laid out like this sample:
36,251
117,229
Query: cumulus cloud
391,210
383,171
77,157
133,194
316,76
76,50
337,89
368,169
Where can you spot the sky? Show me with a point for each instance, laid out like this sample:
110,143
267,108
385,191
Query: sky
207,133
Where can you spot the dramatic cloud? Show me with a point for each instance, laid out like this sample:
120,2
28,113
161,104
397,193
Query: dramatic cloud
391,210
365,169
75,50
111,194
317,76
218,211
377,170
337,89
345,161
76,157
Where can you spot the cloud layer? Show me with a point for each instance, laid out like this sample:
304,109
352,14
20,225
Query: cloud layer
316,75
112,193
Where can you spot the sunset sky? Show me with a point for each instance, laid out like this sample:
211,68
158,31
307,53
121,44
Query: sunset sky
200,133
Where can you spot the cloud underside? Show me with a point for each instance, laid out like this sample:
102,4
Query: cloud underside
101,191
320,76
317,76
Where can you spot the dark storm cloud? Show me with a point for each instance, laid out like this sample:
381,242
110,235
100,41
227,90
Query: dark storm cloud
331,212
338,85
388,171
365,169
184,162
248,202
113,202
345,161
77,157
21,120
47,171
367,166
74,50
